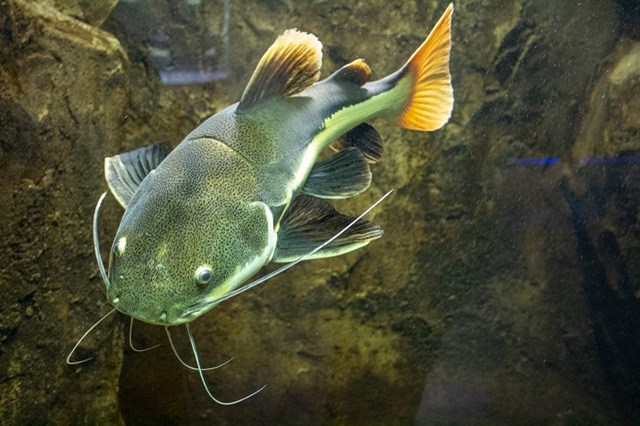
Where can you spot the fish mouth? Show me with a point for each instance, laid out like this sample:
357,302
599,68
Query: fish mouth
195,310
162,318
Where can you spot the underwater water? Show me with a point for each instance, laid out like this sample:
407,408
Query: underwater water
506,286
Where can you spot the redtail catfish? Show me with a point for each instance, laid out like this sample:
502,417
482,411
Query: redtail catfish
245,188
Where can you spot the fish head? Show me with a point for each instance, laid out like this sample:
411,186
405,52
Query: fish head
174,256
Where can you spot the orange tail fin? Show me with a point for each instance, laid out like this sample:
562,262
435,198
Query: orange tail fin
431,99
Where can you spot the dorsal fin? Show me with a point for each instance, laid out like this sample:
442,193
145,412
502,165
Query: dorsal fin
357,72
289,66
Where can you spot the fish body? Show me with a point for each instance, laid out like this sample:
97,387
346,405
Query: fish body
282,138
245,188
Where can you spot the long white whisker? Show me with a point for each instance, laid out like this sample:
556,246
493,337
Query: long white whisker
204,383
175,352
300,259
131,340
96,241
82,338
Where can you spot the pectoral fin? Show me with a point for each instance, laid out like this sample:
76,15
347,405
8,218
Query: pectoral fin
125,172
344,175
309,222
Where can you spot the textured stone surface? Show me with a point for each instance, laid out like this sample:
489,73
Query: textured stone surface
89,11
62,97
501,291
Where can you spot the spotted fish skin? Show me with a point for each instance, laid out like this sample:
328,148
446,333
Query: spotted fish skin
227,200
197,208
281,138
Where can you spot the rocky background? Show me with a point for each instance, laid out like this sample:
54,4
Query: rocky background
505,289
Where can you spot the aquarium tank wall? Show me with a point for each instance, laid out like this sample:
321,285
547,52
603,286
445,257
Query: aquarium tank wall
506,286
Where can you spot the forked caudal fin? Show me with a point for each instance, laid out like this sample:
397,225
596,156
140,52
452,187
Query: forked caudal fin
431,99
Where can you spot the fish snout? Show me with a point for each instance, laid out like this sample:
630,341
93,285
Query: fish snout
146,312
150,302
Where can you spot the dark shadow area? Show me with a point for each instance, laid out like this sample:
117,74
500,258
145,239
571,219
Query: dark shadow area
614,309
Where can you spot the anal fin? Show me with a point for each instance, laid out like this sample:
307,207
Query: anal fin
344,175
365,138
125,172
309,222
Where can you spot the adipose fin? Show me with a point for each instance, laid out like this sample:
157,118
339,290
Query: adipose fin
357,72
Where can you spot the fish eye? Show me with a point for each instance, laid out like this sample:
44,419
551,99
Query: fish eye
118,248
203,275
